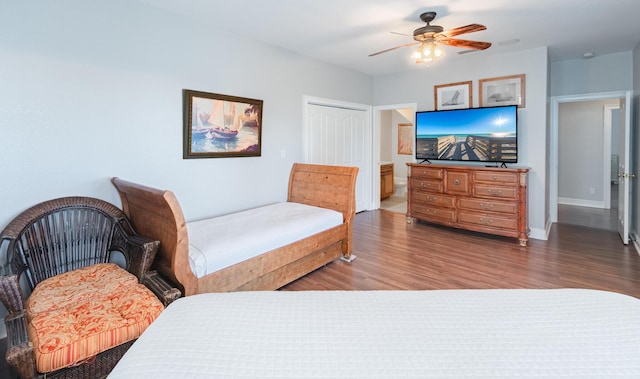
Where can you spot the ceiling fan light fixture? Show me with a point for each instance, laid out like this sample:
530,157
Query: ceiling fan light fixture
428,36
427,49
427,52
437,51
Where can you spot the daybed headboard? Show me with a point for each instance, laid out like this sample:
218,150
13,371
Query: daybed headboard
157,214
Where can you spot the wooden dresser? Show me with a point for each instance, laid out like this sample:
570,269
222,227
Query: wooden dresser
488,200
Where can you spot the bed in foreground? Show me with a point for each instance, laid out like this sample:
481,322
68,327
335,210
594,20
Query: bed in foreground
512,333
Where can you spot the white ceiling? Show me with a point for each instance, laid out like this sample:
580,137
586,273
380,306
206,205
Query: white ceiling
345,32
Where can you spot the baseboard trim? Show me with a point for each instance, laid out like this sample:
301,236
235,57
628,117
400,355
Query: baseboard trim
540,234
581,202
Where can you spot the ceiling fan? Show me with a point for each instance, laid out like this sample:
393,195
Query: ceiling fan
429,36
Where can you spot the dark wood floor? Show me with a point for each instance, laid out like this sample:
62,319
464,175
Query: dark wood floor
392,254
395,255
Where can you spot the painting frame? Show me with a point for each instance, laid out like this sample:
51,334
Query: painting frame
447,96
405,139
212,128
503,90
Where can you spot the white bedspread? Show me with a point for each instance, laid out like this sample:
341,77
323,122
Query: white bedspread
392,334
219,242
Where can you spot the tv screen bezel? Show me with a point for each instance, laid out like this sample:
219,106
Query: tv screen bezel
503,161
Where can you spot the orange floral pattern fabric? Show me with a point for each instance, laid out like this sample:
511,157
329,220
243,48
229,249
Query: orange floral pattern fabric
78,314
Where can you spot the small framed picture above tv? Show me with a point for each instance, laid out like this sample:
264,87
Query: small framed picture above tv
488,134
452,96
503,90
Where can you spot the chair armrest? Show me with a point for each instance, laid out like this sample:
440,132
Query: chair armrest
19,350
161,287
11,293
141,251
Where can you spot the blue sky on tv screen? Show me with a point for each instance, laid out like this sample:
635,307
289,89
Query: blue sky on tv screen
498,121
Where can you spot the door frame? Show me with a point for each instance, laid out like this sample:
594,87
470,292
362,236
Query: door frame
608,110
306,141
553,138
377,111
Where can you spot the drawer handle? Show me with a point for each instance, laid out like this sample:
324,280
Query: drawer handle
456,182
431,198
488,222
486,206
423,184
494,192
495,177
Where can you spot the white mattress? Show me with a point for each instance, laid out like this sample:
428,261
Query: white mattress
219,242
392,334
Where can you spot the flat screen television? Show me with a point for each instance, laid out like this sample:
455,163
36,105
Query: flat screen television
487,134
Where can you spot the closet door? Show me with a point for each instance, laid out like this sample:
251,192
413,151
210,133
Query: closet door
341,136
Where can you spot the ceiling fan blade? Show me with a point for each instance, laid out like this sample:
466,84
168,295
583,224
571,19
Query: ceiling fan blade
393,48
402,34
477,45
463,30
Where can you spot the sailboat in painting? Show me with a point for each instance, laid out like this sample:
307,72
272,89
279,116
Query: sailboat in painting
218,123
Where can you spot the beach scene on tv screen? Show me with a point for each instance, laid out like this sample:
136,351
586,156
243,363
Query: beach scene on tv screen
478,134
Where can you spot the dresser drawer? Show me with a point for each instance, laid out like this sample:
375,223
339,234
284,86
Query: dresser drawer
430,185
426,198
458,183
488,221
488,205
427,213
427,172
500,192
495,177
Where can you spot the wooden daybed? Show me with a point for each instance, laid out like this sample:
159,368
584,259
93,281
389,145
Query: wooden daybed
157,213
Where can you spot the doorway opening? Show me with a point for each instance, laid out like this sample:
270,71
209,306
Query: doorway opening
588,177
394,145
613,200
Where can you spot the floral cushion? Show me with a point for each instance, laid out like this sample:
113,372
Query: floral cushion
78,314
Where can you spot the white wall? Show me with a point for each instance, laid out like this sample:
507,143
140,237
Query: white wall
606,73
92,90
386,130
417,86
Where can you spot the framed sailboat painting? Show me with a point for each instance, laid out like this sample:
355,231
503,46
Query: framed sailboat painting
219,126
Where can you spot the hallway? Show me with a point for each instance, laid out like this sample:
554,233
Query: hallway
597,218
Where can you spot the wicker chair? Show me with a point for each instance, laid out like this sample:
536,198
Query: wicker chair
61,235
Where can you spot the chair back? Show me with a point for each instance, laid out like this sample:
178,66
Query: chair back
64,234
